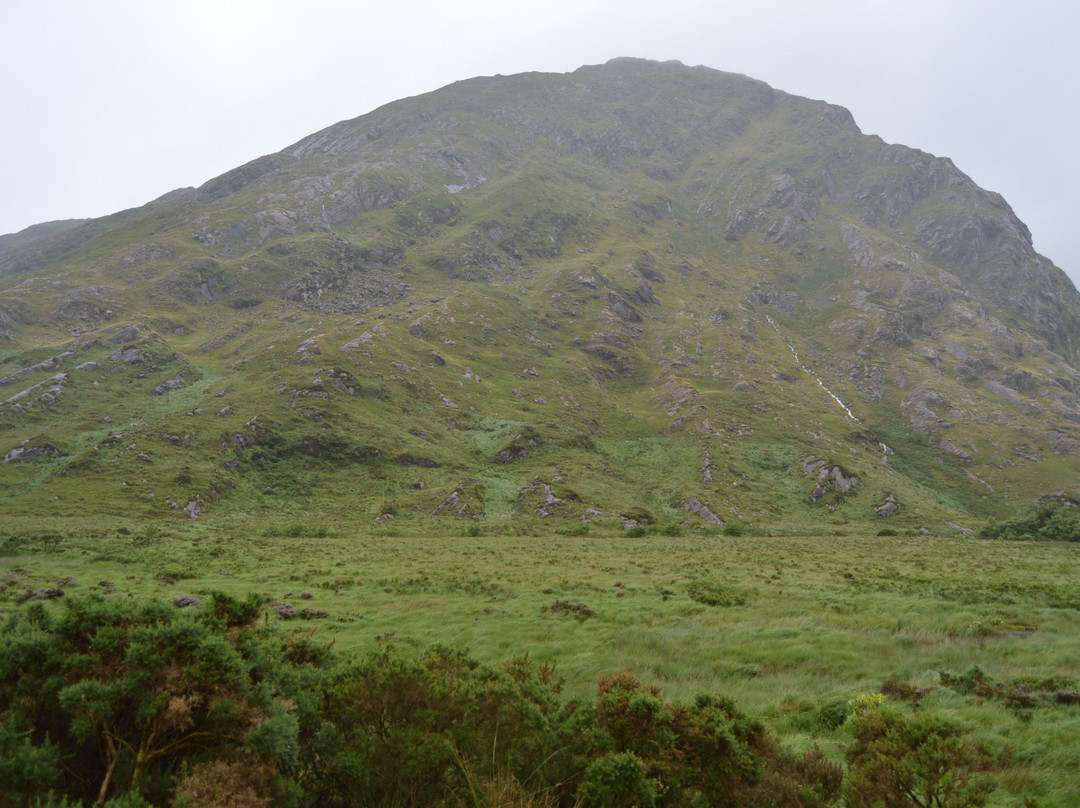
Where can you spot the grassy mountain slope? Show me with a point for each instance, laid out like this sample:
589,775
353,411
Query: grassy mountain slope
636,291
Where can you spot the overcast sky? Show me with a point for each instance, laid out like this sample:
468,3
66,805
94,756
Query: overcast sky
107,104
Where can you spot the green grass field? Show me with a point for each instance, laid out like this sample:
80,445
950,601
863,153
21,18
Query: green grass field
792,626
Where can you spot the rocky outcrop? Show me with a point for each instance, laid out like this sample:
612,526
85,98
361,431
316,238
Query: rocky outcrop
695,505
124,335
169,385
195,508
130,356
888,507
49,364
31,453
829,477
48,395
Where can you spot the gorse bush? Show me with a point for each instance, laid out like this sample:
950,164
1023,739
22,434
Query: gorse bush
914,761
122,692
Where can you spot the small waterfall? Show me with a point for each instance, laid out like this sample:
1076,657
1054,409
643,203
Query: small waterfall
816,378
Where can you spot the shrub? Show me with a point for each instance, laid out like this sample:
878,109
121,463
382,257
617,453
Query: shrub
716,595
125,692
617,781
912,761
235,612
705,753
809,780
1054,518
400,730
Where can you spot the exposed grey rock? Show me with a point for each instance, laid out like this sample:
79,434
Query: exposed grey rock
147,254
710,517
124,335
831,477
626,312
953,449
129,356
169,385
1062,443
451,503
85,303
275,224
185,601
47,399
695,505
845,482
195,508
588,282
1020,380
513,455
889,507
30,453
965,530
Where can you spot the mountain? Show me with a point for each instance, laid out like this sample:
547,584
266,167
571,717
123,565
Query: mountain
638,291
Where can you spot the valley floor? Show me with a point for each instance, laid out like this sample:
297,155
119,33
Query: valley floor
791,626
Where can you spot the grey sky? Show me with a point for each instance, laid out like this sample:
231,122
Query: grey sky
107,104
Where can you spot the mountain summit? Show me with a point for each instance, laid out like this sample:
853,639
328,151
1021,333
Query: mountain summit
636,293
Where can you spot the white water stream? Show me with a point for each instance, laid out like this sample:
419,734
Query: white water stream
816,378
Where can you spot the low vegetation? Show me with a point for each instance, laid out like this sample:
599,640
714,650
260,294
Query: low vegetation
173,669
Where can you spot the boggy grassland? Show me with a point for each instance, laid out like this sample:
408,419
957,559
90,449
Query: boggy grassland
792,627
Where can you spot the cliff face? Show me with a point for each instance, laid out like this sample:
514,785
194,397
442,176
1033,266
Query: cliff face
523,278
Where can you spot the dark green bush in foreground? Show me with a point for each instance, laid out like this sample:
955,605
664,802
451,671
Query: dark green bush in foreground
120,703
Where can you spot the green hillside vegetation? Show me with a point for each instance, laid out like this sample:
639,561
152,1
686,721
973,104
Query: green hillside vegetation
639,266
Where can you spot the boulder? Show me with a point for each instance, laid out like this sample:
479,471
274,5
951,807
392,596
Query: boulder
129,356
169,385
887,508
124,335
